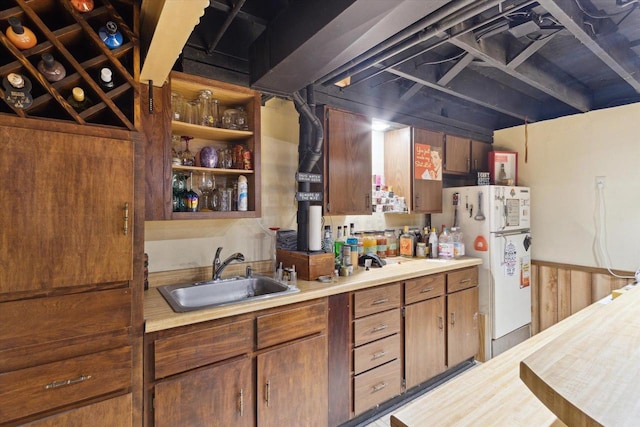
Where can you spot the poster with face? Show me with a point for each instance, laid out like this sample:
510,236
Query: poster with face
427,162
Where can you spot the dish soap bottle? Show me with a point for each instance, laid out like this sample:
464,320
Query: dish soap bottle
51,69
78,101
21,36
110,35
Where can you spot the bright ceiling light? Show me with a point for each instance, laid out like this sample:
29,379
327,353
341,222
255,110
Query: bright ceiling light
379,126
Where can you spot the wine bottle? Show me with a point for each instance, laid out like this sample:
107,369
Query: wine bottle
51,69
78,100
110,35
106,79
21,36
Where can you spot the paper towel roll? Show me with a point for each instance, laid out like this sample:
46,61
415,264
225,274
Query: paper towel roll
315,228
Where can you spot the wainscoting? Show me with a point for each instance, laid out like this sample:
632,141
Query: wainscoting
559,290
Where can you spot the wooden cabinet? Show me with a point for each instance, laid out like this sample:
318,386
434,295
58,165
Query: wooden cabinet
72,38
462,315
219,395
66,294
480,156
292,384
424,329
72,215
265,368
346,165
114,412
376,346
400,145
457,154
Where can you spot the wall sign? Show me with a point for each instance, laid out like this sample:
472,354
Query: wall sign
427,162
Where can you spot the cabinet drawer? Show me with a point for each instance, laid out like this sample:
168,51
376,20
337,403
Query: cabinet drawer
376,353
290,324
375,300
32,390
376,326
376,386
462,279
44,330
187,351
422,288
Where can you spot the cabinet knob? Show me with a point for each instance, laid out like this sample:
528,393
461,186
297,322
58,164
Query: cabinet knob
453,319
440,323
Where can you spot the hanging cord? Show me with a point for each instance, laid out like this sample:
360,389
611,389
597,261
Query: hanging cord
600,248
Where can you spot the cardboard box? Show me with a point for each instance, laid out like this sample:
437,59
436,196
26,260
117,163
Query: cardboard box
309,266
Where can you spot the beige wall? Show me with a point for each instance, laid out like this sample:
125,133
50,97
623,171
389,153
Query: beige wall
565,156
173,245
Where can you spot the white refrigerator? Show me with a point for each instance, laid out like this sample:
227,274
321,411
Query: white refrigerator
495,222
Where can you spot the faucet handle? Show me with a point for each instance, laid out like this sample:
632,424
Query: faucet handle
249,271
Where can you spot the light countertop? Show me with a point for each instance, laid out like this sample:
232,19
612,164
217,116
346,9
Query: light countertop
159,315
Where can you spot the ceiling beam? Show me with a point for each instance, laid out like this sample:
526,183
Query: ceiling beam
456,69
415,88
528,51
616,54
532,72
472,87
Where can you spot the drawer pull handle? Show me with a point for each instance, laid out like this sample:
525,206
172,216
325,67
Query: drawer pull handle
380,301
267,393
379,328
379,387
453,319
440,323
241,397
465,280
125,228
378,355
425,290
56,384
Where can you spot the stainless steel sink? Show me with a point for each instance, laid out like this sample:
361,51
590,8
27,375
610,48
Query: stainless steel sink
213,293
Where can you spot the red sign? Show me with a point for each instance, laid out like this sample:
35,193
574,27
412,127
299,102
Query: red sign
427,162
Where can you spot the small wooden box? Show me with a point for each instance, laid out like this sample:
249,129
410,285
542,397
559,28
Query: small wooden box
309,266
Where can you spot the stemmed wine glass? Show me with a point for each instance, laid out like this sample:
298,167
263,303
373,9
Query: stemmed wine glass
187,157
205,185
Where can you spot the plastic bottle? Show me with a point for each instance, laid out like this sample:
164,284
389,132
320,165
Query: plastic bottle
445,244
51,69
327,240
458,242
407,243
433,244
21,36
243,193
337,246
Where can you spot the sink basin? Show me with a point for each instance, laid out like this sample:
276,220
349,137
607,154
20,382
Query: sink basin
214,293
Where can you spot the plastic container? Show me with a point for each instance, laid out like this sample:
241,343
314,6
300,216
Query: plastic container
327,240
445,244
458,242
243,193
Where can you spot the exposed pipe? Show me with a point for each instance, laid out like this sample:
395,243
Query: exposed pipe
308,157
439,24
225,25
344,70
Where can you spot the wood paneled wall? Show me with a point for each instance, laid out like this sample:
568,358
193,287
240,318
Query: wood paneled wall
559,290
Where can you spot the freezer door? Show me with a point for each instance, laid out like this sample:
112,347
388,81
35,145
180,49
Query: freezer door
508,208
511,277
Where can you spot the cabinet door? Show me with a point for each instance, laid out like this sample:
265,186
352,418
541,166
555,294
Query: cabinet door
480,155
347,163
424,336
217,396
292,384
457,155
426,194
462,334
114,412
64,216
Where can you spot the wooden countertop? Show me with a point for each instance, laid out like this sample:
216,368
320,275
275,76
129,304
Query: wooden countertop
589,375
492,394
159,315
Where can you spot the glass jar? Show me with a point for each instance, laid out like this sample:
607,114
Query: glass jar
230,119
241,120
369,242
204,108
392,243
381,244
358,235
177,107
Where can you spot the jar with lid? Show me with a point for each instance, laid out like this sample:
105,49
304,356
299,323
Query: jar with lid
421,250
230,119
369,243
241,119
381,244
359,235
392,242
204,107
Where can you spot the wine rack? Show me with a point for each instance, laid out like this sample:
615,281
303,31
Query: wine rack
72,38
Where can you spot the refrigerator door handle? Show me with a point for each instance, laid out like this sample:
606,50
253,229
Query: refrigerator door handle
511,233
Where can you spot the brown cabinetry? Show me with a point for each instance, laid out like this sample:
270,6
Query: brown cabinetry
462,315
346,162
114,412
457,155
424,329
72,38
422,195
480,156
377,323
265,368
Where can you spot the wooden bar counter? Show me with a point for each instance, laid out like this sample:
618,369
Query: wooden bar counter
492,394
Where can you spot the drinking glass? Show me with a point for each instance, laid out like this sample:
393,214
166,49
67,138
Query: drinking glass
187,157
191,112
177,106
205,185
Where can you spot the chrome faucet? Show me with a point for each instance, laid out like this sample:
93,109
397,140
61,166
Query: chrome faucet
219,266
